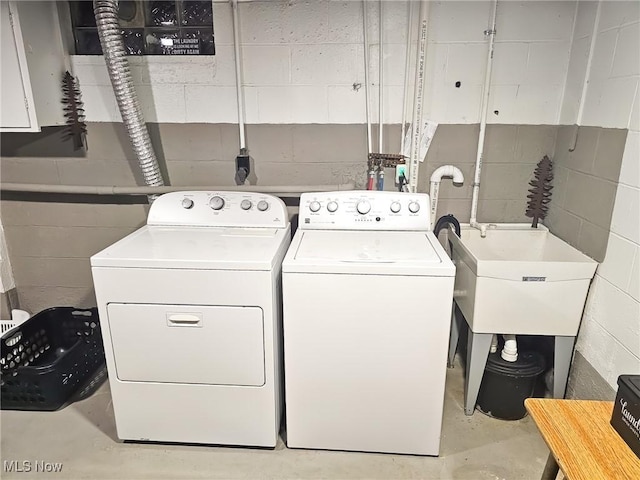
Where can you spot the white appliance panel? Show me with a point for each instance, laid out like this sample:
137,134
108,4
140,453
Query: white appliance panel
351,246
364,210
195,248
219,209
212,345
364,374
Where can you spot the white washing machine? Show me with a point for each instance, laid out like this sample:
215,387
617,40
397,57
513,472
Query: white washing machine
367,292
191,318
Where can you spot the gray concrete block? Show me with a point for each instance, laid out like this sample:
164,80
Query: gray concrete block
608,158
590,198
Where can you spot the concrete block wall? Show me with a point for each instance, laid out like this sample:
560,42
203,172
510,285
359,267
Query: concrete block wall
303,62
609,337
50,242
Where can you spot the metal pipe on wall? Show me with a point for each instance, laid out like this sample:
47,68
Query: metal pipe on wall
291,190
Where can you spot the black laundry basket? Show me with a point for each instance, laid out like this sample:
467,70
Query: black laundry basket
52,359
506,385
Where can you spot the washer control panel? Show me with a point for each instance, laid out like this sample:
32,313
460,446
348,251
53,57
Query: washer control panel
218,209
364,210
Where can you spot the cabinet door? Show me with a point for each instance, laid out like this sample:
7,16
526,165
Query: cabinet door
15,114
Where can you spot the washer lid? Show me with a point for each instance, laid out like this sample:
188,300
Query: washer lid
372,252
200,248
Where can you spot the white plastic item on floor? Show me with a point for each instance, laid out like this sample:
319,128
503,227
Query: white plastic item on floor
190,314
367,296
18,317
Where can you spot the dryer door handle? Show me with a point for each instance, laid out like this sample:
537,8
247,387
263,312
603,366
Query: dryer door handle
184,319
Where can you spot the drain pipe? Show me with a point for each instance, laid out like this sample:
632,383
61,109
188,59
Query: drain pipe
115,55
510,350
491,33
434,187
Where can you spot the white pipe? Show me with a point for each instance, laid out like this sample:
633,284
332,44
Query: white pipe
510,349
420,80
494,344
380,79
367,92
585,84
405,88
236,49
486,89
434,187
296,190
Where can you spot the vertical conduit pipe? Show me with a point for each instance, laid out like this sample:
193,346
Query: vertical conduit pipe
420,81
115,55
238,59
486,89
367,91
380,78
405,89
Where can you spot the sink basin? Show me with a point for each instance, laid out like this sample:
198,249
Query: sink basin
520,280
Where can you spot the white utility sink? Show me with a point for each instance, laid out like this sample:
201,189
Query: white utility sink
516,280
520,280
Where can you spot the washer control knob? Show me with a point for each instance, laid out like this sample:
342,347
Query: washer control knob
263,206
414,207
245,204
187,203
363,207
332,206
314,206
395,207
216,203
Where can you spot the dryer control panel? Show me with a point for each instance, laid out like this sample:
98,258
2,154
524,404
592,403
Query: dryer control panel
364,210
219,209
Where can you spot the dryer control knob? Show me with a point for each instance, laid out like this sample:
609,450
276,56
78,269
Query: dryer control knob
332,206
395,207
245,204
414,207
314,206
363,207
216,203
263,206
187,203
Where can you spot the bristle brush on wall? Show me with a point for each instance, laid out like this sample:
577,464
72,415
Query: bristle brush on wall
76,128
540,193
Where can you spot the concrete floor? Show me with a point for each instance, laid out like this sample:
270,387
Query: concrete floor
83,438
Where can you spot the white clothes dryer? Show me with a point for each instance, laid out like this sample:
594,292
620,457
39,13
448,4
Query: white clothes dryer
191,319
367,307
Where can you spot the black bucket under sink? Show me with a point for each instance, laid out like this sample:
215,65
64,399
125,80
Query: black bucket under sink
506,385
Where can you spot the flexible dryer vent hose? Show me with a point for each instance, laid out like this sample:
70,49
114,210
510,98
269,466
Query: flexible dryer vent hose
115,55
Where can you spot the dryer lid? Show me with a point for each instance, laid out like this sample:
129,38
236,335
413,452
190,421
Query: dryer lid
199,248
368,252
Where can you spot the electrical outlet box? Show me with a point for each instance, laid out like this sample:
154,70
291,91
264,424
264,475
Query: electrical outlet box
401,170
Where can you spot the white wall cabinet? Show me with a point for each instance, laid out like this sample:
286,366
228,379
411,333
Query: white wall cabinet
33,59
